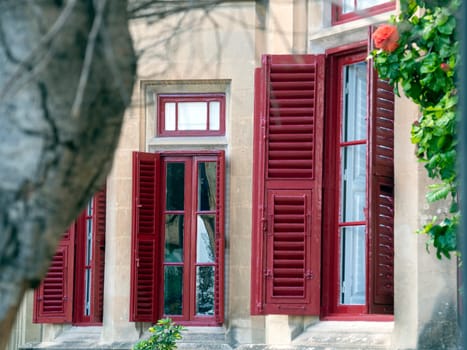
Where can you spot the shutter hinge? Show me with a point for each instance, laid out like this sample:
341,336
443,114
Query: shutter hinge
259,307
268,273
309,275
264,223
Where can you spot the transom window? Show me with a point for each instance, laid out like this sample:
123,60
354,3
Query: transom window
347,10
191,115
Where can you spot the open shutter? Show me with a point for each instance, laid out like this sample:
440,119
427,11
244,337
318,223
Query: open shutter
145,238
53,299
381,296
99,217
287,185
219,268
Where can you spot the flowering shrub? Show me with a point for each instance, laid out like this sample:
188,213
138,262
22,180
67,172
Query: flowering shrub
423,64
386,37
163,336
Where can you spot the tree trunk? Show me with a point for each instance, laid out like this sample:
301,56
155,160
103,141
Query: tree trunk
67,70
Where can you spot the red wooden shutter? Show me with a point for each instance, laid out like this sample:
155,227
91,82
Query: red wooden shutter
287,185
145,262
381,296
219,268
53,299
98,260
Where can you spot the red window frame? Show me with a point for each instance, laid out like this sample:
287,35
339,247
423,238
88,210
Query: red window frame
147,286
171,98
338,17
373,309
332,146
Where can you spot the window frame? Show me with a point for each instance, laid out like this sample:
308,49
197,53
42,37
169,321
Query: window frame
162,99
338,17
338,58
157,161
332,196
190,212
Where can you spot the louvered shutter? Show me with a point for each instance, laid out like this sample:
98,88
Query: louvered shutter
53,299
145,238
287,185
381,294
99,220
219,268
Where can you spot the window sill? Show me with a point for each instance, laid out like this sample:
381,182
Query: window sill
194,143
323,39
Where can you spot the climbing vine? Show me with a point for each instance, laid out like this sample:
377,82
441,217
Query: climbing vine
418,53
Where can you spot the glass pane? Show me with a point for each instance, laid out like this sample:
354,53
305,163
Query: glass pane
207,172
364,4
352,271
87,292
169,118
88,240
173,238
214,115
175,186
192,115
348,6
354,122
205,240
353,183
205,290
173,290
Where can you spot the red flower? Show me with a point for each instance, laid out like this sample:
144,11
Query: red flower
385,37
445,67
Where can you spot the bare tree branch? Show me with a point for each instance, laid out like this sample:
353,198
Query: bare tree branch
96,27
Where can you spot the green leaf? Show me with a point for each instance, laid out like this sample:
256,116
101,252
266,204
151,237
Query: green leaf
438,192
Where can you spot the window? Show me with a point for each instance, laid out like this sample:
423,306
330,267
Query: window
191,115
347,10
178,237
73,289
358,188
323,180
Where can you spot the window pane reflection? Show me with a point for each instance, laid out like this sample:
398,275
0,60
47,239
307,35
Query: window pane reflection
173,288
175,186
192,115
214,115
173,238
169,118
352,271
207,186
354,124
205,240
205,290
353,183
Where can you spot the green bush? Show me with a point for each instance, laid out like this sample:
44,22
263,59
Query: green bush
423,65
163,336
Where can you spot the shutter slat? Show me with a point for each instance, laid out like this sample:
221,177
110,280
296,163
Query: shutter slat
382,203
98,252
285,264
145,252
53,299
289,92
284,108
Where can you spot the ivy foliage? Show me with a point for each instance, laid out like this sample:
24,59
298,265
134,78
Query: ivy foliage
424,67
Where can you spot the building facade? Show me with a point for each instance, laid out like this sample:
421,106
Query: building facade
264,193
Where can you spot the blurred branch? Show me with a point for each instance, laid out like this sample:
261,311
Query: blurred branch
158,9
